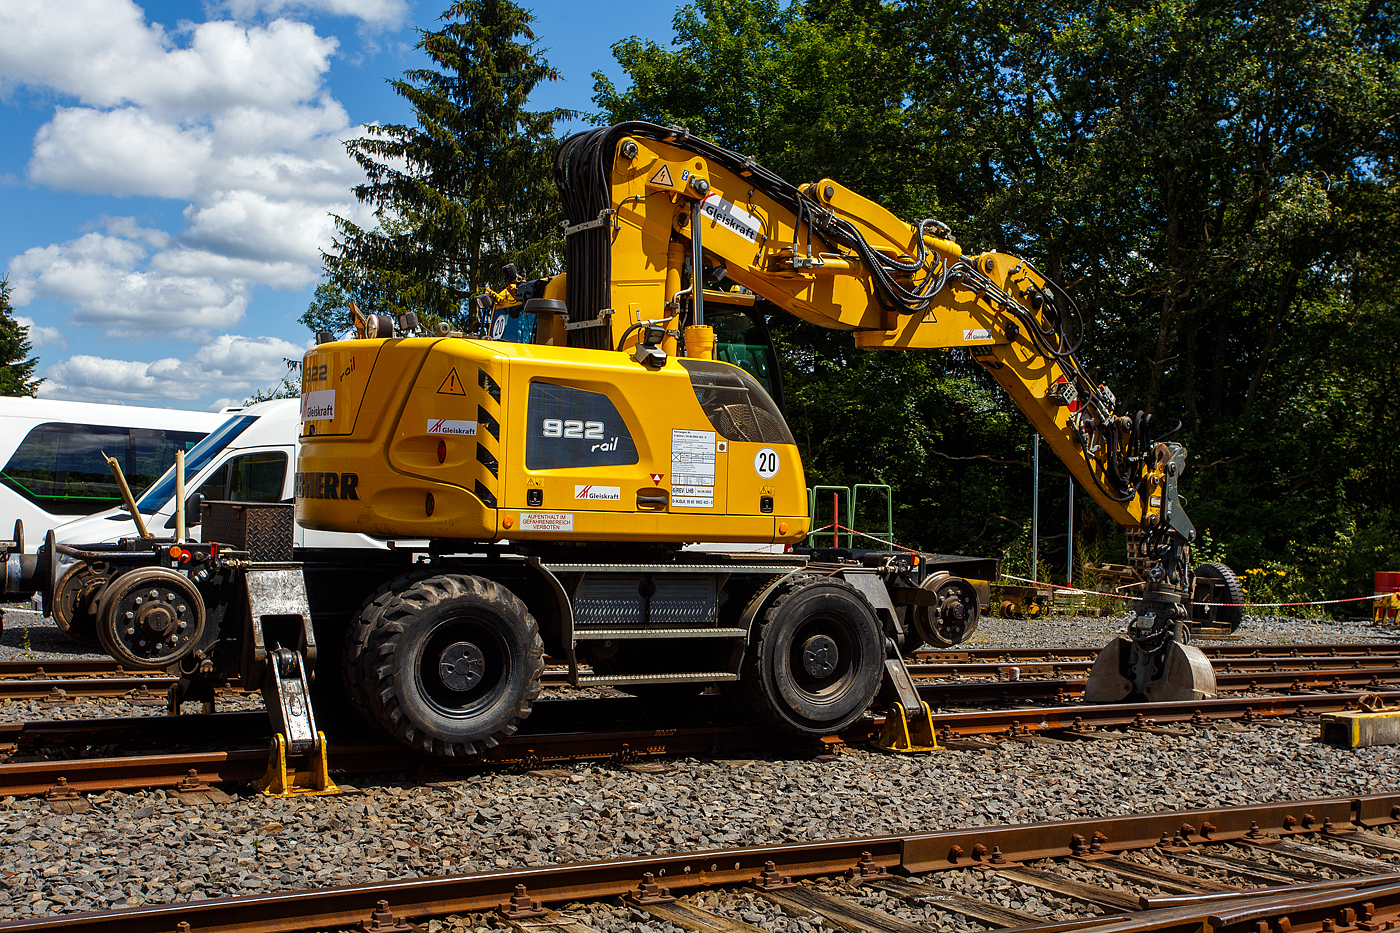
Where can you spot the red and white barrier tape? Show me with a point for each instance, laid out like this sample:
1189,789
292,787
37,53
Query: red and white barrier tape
1055,586
1315,602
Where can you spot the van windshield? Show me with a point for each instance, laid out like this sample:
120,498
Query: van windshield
196,460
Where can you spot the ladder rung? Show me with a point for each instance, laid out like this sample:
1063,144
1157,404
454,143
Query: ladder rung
621,634
696,677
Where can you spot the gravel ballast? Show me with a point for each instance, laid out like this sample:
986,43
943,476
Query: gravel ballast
145,847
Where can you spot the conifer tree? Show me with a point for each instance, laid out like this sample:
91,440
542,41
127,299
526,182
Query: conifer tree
16,365
469,187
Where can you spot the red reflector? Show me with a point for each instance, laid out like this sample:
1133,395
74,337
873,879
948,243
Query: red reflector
442,451
184,557
213,551
428,504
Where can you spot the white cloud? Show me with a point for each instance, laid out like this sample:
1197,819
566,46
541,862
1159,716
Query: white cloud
228,364
233,119
97,273
120,152
105,54
40,335
379,12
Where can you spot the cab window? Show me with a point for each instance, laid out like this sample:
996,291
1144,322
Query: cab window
736,405
742,339
254,477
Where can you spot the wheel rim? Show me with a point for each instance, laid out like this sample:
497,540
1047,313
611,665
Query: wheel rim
822,658
952,616
464,667
151,618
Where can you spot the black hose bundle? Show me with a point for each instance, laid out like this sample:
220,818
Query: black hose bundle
1114,452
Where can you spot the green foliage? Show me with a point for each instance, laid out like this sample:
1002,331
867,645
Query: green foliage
1214,183
329,310
288,387
466,189
16,365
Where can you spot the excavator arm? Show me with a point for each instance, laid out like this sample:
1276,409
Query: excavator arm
661,219
835,259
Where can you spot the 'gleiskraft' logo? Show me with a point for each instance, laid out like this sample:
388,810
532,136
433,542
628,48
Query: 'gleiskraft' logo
441,426
318,406
599,493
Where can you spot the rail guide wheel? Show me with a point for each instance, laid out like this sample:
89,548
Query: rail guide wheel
77,598
450,665
817,660
150,618
953,619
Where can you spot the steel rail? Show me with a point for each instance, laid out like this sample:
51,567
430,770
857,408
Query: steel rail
963,659
538,748
62,667
1222,652
1239,665
914,853
1261,674
87,687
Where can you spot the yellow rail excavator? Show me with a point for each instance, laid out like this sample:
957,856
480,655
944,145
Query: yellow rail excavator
552,491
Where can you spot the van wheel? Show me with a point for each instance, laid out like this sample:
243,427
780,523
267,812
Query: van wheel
451,665
816,661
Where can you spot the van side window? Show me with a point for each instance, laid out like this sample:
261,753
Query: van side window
59,466
255,477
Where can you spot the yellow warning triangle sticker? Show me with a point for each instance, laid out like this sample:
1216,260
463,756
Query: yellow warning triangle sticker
452,385
662,179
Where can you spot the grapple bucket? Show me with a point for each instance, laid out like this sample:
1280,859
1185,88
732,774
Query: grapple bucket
1123,671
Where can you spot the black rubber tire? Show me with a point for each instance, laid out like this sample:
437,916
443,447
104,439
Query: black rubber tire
357,639
403,689
932,628
777,687
1234,593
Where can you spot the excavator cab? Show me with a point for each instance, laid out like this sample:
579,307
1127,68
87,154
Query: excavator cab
743,339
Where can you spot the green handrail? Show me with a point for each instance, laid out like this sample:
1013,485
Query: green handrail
839,495
889,510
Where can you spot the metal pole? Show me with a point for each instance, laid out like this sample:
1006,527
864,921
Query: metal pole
1069,561
179,495
1035,504
697,264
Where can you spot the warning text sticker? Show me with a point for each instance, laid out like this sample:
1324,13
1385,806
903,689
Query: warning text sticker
546,521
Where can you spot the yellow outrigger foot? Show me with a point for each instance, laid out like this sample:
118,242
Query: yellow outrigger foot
312,778
902,735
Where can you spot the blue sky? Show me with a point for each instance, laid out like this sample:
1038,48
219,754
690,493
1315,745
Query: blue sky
167,170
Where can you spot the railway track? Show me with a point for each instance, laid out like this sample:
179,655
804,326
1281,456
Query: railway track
55,680
1262,868
129,753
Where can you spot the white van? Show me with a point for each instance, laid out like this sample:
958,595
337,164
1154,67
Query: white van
251,457
52,455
